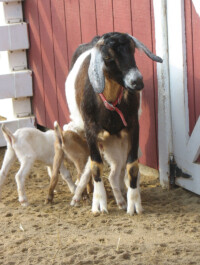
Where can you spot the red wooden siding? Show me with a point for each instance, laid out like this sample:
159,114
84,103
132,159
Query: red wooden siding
35,60
57,27
193,66
193,61
104,15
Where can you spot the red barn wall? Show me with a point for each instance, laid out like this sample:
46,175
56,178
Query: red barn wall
57,27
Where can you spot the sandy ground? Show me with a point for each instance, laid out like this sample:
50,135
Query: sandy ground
168,232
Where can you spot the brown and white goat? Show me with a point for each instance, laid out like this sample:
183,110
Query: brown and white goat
28,145
102,91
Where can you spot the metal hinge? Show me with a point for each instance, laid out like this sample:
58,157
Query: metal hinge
175,172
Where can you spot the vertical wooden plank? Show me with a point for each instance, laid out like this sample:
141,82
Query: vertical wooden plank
60,57
73,27
104,14
122,16
35,59
44,8
155,81
196,58
141,19
88,20
190,66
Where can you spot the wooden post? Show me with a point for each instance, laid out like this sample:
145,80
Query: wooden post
15,78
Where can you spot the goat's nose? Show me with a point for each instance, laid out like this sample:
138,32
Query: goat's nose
137,84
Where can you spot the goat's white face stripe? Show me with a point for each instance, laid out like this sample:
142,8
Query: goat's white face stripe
71,93
132,75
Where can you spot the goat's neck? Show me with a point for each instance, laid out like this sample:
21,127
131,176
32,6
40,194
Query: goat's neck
111,90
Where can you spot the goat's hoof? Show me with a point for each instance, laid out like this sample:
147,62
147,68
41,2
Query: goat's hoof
100,206
137,209
104,211
98,210
75,203
122,205
48,201
24,203
96,213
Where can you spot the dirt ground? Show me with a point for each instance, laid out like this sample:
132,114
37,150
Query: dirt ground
168,232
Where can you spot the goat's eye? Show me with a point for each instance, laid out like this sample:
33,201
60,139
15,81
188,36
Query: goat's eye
107,58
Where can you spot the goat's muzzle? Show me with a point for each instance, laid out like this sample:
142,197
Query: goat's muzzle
137,84
133,80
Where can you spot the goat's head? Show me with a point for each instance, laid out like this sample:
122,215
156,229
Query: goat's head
113,56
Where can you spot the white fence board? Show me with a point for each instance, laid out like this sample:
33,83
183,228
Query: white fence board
13,12
16,84
7,1
14,37
17,60
11,108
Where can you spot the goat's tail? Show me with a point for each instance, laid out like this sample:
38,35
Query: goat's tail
58,133
9,137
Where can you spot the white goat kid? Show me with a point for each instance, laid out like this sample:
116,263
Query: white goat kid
28,145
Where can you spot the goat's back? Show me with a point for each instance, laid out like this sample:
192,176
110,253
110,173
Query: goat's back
33,142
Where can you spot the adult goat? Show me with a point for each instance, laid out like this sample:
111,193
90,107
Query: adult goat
102,91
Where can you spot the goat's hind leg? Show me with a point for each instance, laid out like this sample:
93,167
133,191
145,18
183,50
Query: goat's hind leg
84,179
115,183
58,158
66,176
20,177
8,160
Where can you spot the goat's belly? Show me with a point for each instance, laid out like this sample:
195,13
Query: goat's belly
70,92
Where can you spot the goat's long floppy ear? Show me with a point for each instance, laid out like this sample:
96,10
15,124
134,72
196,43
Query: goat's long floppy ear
141,46
95,71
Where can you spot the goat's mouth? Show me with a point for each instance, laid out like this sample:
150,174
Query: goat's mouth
135,88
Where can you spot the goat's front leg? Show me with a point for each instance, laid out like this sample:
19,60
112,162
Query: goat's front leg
99,202
133,193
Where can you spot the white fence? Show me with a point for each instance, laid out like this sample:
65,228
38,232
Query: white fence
15,78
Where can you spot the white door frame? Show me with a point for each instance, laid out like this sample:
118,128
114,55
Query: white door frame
173,116
164,108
